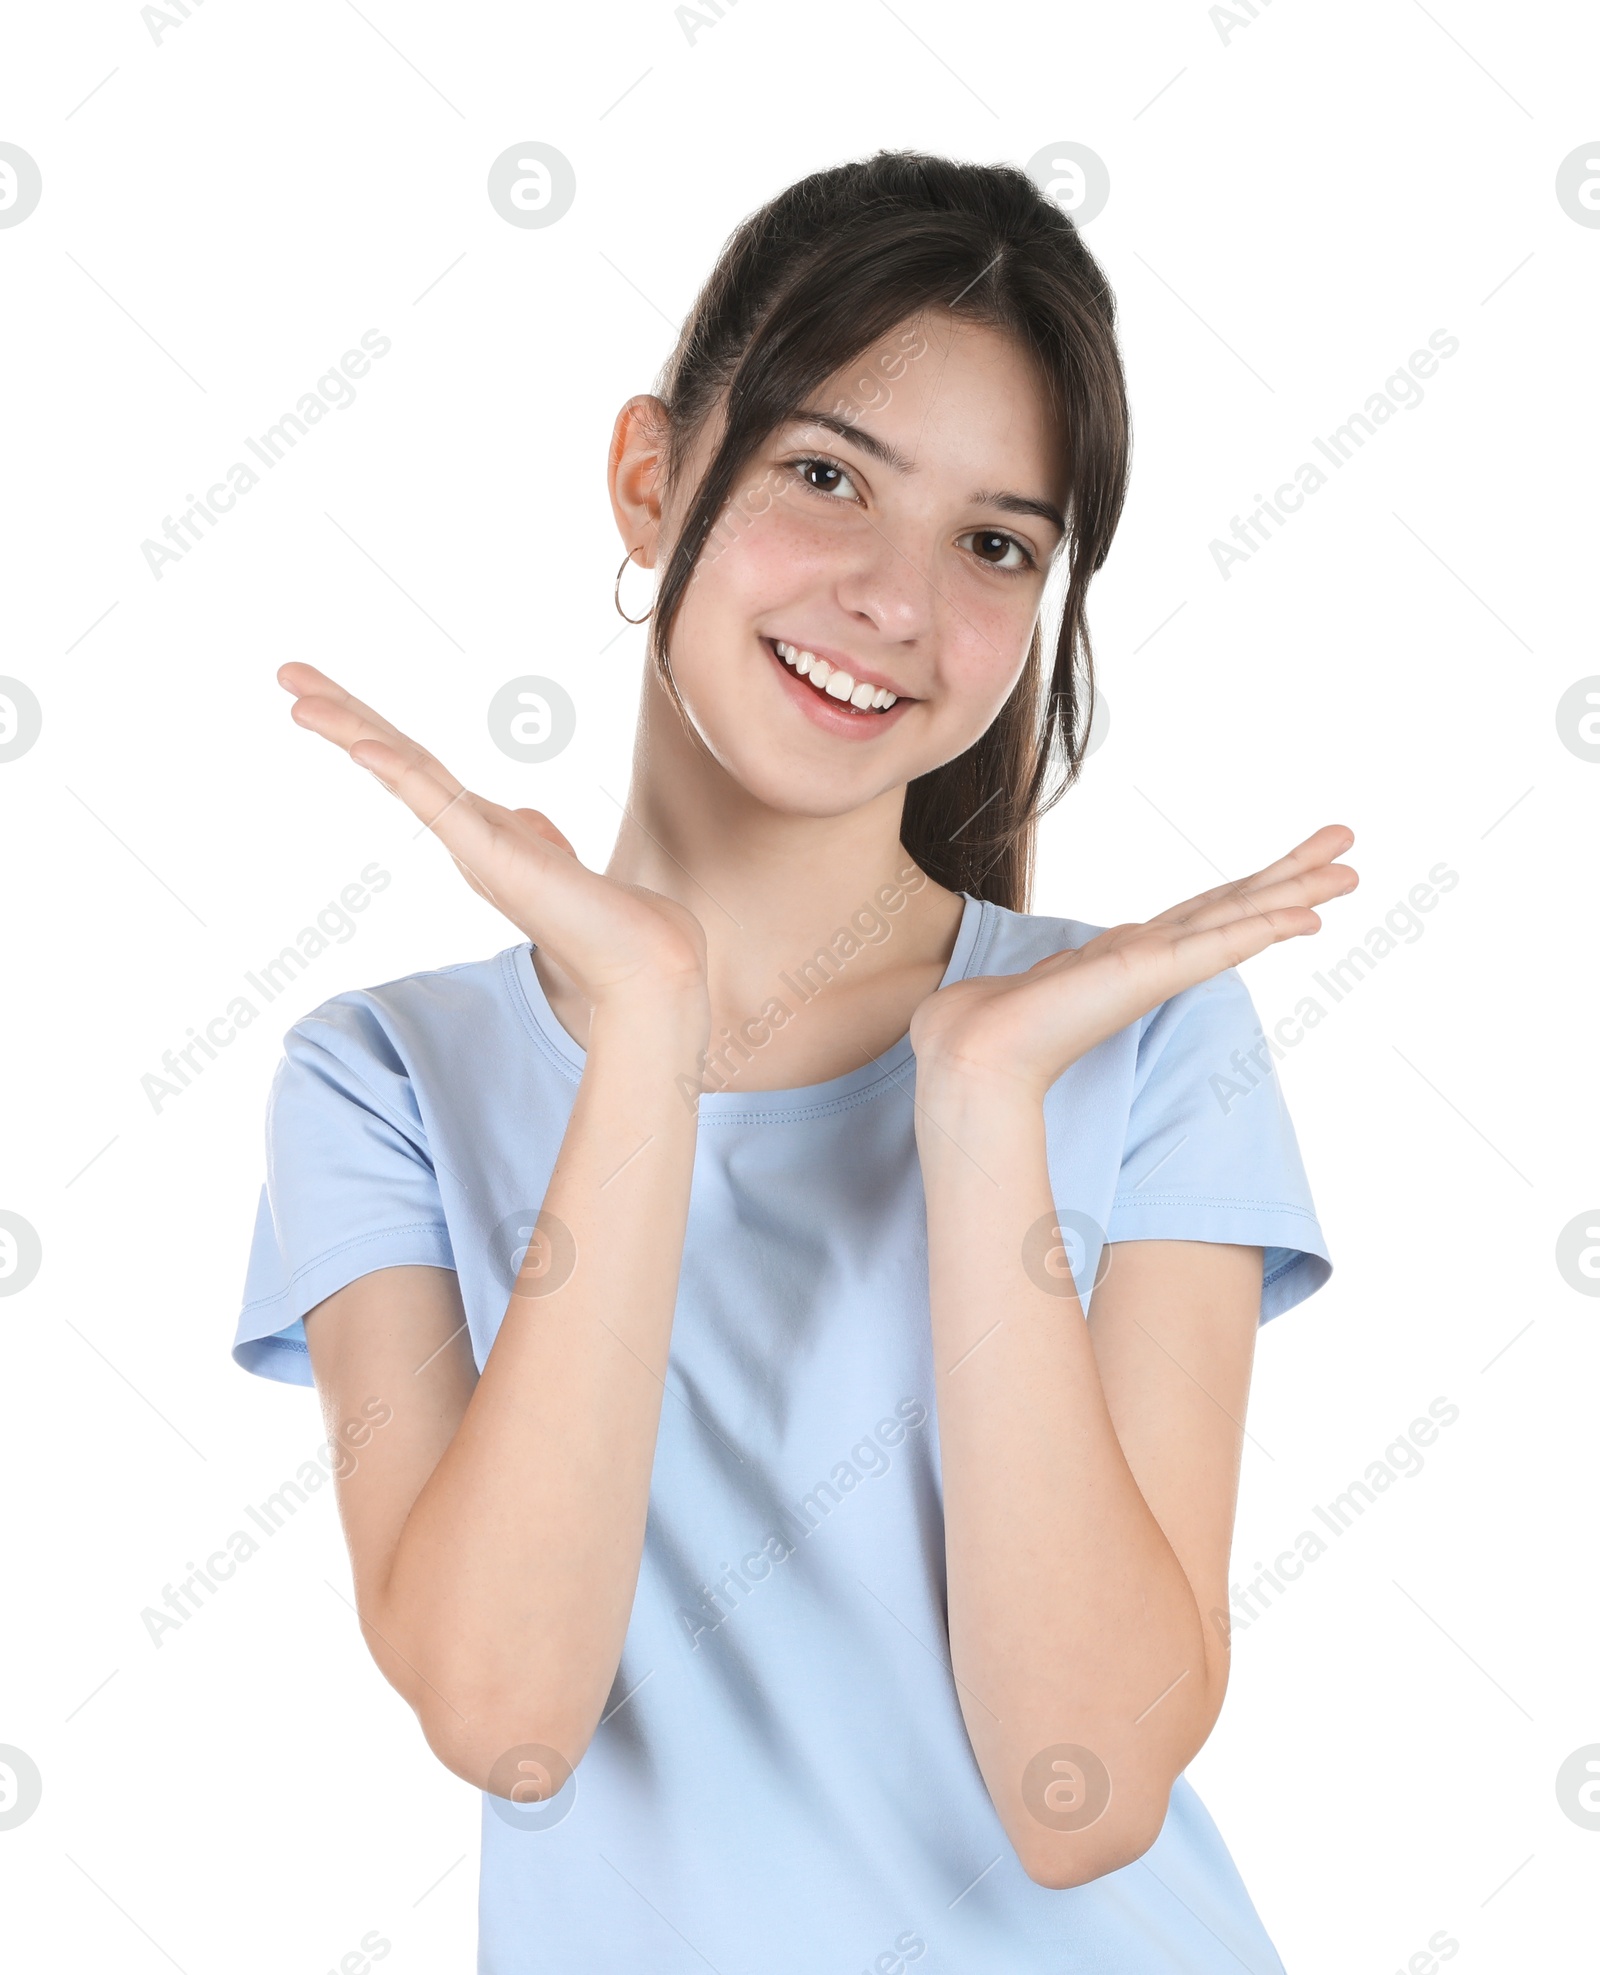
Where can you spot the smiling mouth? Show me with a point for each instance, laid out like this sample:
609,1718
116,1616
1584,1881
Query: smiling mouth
832,681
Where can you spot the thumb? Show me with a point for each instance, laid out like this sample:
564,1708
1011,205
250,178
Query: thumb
541,826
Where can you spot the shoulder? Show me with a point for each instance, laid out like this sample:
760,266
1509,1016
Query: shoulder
1011,942
394,1021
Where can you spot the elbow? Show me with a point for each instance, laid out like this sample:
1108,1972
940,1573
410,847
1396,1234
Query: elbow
500,1738
520,1742
1059,1860
522,1753
1069,1825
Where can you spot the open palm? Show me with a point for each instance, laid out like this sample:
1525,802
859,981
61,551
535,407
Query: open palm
611,938
1029,1027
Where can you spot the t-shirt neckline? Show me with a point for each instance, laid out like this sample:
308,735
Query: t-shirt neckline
734,1105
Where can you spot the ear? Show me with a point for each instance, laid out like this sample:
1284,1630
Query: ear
636,475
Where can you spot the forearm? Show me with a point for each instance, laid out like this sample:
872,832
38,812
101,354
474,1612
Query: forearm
1071,1619
513,1580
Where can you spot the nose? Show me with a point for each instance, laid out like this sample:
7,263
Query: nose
889,586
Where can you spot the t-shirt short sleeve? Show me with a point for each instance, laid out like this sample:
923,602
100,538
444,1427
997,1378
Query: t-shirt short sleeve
350,1186
1211,1153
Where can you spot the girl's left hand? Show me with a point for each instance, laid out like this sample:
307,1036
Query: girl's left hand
1026,1029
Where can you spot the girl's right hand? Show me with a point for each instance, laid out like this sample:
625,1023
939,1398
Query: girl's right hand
619,943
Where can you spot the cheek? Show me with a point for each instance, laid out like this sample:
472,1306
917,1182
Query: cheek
775,557
791,545
789,553
983,652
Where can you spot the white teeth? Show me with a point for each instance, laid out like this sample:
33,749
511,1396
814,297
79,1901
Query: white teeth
833,679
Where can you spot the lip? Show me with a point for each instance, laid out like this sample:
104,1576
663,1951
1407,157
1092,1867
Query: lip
837,716
843,662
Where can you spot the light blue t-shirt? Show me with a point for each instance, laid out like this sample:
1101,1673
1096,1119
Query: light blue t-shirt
781,1783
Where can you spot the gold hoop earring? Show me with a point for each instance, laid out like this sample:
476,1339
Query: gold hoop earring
616,596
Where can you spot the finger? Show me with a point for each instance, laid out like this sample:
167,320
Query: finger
338,716
324,706
309,685
488,848
471,829
1197,956
409,772
1316,851
537,820
1309,888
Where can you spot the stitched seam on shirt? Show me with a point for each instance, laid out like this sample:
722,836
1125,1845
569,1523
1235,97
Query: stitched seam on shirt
520,995
355,1241
1208,1200
829,1107
522,999
803,1113
987,926
1300,1256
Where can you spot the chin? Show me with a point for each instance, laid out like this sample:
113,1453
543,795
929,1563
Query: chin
792,781
788,790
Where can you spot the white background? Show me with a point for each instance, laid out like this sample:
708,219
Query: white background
1296,204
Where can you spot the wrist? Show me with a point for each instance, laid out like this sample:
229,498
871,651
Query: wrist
655,1048
663,1017
961,1108
963,1086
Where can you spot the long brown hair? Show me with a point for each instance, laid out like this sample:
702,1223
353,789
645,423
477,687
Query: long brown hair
806,284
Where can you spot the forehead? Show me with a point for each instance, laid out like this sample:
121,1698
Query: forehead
950,395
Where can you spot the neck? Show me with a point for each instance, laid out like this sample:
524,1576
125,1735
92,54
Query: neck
772,889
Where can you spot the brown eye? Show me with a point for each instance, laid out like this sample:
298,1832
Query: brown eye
824,476
993,547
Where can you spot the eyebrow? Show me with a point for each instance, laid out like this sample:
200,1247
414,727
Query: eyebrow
880,449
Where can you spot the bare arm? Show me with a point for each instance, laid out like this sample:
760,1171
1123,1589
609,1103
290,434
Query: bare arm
496,1523
1090,1473
1090,1470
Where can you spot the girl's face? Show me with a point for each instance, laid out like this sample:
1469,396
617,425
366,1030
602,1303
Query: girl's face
900,532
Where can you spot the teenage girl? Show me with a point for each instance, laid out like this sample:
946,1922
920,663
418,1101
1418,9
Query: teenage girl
745,1502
